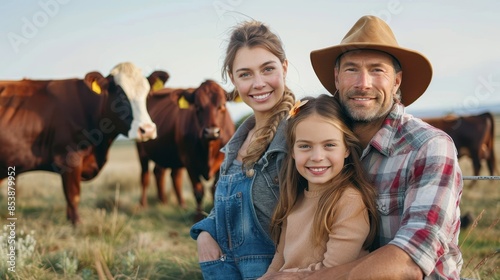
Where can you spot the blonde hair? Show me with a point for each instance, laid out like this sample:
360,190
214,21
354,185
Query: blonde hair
256,34
352,175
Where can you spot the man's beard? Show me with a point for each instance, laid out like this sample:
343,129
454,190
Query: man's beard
364,116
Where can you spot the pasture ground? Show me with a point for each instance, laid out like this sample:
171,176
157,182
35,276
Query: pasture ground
119,240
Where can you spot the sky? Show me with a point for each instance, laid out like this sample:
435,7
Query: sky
58,39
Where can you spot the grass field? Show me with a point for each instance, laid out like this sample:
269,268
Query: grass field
119,240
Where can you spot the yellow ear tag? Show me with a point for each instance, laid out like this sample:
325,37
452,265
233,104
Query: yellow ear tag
183,103
158,84
238,99
95,87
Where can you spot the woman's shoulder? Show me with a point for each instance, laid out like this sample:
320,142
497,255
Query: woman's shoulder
280,129
279,140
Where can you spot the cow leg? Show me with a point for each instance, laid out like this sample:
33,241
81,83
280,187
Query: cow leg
216,178
71,186
198,192
491,161
476,164
491,166
176,175
144,182
160,183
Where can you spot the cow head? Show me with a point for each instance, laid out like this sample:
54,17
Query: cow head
126,90
209,101
130,80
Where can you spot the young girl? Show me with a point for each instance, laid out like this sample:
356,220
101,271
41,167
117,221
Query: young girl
326,214
234,241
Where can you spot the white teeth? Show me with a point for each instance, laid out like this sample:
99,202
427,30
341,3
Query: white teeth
261,97
317,169
362,99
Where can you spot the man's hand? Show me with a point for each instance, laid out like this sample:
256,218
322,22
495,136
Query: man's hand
285,275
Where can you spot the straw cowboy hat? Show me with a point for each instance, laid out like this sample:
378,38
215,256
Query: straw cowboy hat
373,33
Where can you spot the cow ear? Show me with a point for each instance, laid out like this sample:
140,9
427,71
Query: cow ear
96,82
238,99
157,80
185,98
233,96
183,103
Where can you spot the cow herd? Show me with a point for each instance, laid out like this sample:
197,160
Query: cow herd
68,126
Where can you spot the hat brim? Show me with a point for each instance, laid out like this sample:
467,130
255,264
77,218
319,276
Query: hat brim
417,70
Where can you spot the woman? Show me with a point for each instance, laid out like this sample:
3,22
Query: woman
234,240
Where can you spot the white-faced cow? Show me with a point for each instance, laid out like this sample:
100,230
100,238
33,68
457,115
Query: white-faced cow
193,124
67,126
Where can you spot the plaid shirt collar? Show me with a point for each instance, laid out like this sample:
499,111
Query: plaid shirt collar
383,140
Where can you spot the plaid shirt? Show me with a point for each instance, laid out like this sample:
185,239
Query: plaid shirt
415,169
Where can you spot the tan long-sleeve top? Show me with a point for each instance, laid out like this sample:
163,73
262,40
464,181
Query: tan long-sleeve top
295,251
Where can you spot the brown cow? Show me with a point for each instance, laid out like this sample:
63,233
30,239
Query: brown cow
193,124
67,126
473,136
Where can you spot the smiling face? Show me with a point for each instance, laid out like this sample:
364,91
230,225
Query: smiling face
319,150
367,83
259,77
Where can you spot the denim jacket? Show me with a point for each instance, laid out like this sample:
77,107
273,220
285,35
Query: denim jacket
265,183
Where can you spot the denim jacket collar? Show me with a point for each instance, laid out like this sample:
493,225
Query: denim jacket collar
278,144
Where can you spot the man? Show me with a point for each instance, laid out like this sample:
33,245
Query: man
413,166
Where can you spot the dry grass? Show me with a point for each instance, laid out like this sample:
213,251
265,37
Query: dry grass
119,240
480,242
116,239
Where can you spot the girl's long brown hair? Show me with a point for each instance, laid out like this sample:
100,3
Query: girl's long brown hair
256,34
352,175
